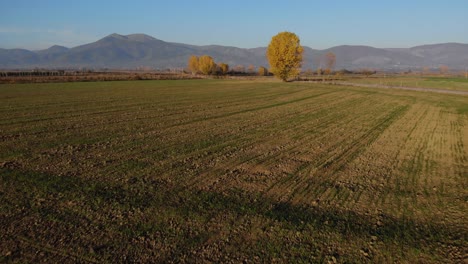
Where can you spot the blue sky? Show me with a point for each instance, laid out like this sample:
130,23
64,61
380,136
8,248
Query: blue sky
247,24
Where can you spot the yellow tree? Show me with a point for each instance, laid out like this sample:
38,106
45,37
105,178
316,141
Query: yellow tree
262,71
224,68
206,65
285,55
193,64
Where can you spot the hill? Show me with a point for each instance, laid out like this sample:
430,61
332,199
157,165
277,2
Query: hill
136,50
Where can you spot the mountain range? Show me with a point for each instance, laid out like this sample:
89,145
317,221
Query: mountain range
139,50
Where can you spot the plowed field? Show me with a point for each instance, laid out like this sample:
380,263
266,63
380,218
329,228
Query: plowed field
231,171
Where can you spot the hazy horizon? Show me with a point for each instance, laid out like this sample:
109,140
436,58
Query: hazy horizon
36,26
227,45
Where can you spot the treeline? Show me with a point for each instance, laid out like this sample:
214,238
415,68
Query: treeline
327,71
37,73
207,66
88,76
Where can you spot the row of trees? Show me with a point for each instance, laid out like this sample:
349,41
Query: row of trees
207,66
284,53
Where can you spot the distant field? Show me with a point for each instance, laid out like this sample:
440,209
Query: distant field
447,83
219,171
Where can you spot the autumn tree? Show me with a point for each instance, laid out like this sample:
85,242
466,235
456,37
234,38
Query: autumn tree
193,64
239,68
319,71
309,72
443,69
426,70
330,61
285,55
224,68
368,72
262,71
206,65
251,69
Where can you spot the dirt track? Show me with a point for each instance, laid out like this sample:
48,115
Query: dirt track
403,88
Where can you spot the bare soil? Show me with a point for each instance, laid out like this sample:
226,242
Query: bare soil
231,171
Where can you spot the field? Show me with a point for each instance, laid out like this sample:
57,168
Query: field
433,82
231,171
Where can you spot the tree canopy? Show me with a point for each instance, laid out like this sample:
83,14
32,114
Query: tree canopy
285,55
193,64
262,71
206,65
330,61
224,68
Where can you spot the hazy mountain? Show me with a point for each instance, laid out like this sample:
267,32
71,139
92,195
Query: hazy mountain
135,50
56,49
368,57
455,54
10,58
51,54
